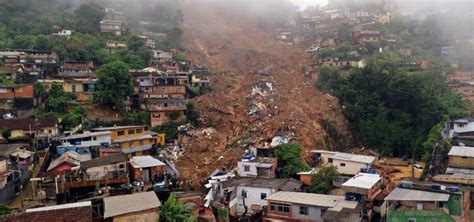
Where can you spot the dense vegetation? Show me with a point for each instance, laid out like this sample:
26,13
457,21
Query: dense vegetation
173,211
114,85
323,179
391,109
289,158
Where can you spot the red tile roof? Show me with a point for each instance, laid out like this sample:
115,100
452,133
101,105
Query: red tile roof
24,124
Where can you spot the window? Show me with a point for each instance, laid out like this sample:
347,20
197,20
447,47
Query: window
141,143
121,166
456,198
263,196
280,208
132,131
412,220
342,164
329,160
120,133
139,130
303,210
246,168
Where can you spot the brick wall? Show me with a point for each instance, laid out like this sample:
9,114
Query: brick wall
80,214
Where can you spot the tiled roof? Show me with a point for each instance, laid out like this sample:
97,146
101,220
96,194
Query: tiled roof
25,124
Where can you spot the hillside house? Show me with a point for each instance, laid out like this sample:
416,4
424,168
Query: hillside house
145,168
15,57
115,46
307,176
303,207
113,27
366,36
41,127
132,207
161,110
81,88
464,126
66,161
263,167
160,57
17,97
461,159
200,77
346,163
133,140
149,42
87,139
101,168
363,186
251,193
460,76
63,32
414,202
448,50
77,70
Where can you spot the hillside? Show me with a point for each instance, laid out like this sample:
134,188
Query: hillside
242,55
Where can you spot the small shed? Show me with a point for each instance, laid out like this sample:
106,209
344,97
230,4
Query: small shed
132,207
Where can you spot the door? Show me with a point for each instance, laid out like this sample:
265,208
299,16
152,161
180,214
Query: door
146,175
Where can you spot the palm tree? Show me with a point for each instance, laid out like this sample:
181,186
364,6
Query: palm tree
174,211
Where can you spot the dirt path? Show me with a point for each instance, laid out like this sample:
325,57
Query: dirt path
241,55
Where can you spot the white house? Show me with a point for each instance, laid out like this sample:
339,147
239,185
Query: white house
458,126
64,32
252,194
258,167
298,206
87,139
346,163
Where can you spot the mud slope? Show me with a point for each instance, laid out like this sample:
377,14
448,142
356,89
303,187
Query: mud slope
241,55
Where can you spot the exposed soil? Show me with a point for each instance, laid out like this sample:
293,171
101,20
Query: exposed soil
240,56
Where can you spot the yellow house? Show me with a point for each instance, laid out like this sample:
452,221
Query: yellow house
134,140
81,88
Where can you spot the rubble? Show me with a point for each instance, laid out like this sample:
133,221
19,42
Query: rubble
261,95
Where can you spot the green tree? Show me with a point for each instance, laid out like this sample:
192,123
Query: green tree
328,78
393,110
289,158
56,99
174,211
322,180
88,17
114,84
23,42
43,43
38,91
169,128
192,115
5,210
6,133
73,118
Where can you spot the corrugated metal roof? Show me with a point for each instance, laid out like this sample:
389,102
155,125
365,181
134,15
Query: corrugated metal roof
453,170
353,157
145,161
310,199
124,204
461,151
363,180
402,194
